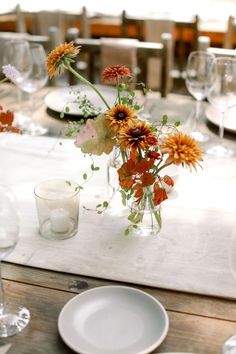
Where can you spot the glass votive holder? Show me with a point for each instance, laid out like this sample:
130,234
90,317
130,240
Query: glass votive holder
57,202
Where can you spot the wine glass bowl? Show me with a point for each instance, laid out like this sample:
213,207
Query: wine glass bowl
198,83
222,95
12,317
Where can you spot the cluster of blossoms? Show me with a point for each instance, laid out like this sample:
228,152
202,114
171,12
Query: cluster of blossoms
142,147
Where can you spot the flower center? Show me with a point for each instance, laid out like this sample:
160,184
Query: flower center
136,133
120,115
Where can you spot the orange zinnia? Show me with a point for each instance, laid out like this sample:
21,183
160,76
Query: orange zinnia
113,72
138,135
159,194
61,56
119,116
182,149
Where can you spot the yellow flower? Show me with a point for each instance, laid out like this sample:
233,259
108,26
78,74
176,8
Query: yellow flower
138,135
60,56
182,149
119,116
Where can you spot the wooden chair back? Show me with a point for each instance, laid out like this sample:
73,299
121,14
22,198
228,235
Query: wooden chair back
145,50
230,34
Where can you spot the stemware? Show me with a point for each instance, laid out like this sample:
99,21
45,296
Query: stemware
30,62
222,95
198,82
13,318
34,81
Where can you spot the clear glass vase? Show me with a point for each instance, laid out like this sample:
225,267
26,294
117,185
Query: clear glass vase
113,188
145,217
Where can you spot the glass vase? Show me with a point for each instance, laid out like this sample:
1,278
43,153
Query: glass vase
113,188
145,217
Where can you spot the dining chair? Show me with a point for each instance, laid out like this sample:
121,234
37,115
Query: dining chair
153,30
203,43
145,50
44,20
222,52
230,34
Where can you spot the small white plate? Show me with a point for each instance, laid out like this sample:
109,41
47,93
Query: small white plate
213,115
58,99
113,320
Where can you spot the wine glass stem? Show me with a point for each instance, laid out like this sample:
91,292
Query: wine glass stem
197,114
2,293
221,127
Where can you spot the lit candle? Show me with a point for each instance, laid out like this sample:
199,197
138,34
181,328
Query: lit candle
60,220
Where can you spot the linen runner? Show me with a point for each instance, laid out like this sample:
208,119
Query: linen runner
194,252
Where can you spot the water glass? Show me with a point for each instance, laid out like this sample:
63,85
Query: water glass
57,202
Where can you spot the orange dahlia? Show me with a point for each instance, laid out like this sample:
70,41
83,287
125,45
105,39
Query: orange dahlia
182,149
138,135
113,72
119,116
60,56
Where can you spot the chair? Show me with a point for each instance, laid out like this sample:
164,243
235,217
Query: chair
145,50
20,20
44,20
203,43
222,52
153,30
230,33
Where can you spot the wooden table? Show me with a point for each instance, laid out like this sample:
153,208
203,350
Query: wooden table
198,324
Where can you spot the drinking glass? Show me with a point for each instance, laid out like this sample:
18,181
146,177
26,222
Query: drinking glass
33,82
30,62
12,317
198,82
222,95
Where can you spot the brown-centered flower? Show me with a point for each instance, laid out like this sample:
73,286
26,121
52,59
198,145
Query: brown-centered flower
182,149
61,56
138,135
120,116
114,72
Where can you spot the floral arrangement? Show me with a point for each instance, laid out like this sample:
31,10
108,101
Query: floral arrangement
144,151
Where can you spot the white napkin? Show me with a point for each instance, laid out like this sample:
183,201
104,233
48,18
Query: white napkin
5,348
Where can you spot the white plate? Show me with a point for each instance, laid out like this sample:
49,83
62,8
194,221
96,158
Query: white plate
58,99
113,320
213,116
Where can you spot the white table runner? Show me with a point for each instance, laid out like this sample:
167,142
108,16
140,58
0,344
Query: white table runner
194,252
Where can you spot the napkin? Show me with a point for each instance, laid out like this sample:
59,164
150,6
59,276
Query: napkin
4,348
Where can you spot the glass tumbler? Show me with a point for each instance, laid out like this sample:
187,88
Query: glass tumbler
57,202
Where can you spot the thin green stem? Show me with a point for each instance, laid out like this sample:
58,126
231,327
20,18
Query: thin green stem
3,80
81,78
153,210
118,89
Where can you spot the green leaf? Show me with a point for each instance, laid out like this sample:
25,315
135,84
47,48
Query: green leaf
67,109
85,176
177,123
126,232
105,204
137,107
164,119
98,205
62,115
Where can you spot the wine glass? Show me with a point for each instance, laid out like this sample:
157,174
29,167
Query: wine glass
33,82
222,95
198,82
12,317
30,62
